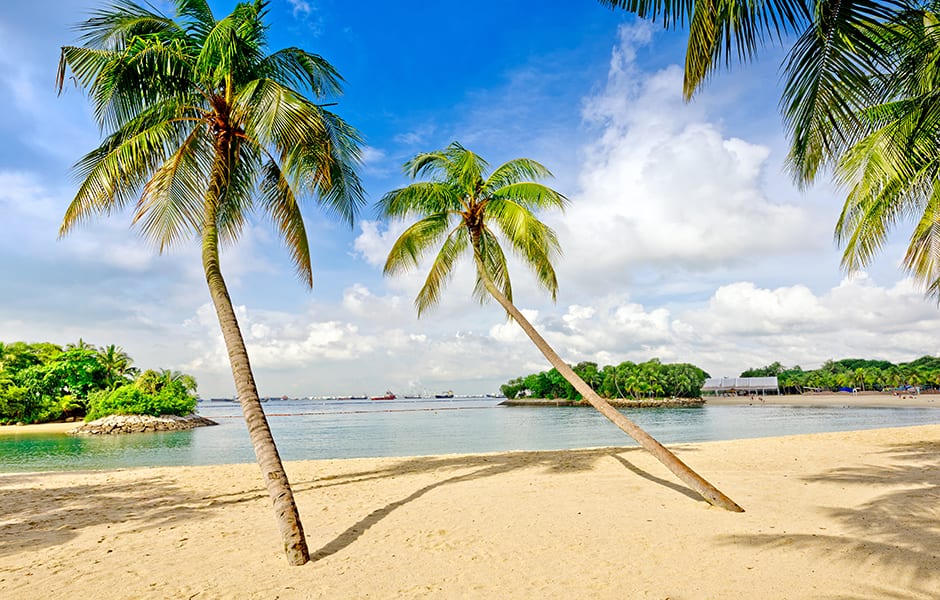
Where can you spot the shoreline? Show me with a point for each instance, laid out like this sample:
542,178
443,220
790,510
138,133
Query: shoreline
860,400
849,514
39,428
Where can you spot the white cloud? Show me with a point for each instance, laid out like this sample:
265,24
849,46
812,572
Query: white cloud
300,7
662,186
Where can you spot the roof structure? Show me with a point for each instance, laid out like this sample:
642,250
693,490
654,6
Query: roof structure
742,384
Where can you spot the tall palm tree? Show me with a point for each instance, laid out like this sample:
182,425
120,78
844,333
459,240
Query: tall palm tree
203,127
462,209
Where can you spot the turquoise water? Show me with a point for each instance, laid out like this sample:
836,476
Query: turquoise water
350,429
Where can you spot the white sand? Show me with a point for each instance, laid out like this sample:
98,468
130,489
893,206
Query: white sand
843,515
870,399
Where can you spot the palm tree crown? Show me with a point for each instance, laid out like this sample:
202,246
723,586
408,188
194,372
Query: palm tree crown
462,208
203,125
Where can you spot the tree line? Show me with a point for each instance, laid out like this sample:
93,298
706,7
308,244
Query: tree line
854,373
650,379
44,382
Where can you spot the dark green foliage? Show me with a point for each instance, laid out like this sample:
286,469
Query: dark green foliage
626,380
857,373
149,395
42,382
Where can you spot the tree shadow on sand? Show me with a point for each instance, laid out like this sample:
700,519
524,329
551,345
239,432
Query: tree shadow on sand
35,517
897,533
567,461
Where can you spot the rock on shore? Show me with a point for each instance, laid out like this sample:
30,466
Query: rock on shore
140,424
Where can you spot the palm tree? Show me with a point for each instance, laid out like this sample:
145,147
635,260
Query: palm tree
117,364
462,209
203,127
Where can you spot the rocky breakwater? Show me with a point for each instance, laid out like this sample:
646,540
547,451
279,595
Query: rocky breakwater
140,424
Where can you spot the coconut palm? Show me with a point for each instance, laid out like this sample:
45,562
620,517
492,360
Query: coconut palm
462,210
202,128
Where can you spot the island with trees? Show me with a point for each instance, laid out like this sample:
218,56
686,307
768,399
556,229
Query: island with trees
44,382
654,383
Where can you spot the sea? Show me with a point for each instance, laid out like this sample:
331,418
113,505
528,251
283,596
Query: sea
330,429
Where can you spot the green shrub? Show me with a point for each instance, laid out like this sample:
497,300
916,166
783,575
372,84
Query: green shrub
171,399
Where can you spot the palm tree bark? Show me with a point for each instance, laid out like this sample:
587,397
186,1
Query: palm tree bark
272,470
709,492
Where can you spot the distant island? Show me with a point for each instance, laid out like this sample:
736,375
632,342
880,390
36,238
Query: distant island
656,383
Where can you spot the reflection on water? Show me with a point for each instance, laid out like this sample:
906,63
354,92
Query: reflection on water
347,429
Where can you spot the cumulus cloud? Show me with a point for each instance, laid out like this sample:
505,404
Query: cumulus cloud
662,185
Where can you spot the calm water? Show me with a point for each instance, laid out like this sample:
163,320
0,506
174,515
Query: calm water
350,429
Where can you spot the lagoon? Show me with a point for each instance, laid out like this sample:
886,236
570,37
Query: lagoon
307,430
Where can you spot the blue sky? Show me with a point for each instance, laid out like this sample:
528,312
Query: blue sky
685,239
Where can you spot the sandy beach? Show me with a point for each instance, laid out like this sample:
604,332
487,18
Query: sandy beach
867,399
843,515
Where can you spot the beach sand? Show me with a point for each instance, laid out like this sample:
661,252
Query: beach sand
842,516
869,399
40,428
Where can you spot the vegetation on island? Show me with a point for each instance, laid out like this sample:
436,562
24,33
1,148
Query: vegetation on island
44,382
202,128
650,379
462,208
854,373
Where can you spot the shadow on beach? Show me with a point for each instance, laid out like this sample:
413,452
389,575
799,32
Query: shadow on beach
49,515
553,462
897,533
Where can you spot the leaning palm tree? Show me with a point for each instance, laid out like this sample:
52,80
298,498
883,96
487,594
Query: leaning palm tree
203,127
461,209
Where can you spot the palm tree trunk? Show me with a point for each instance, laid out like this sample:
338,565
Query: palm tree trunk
709,492
272,470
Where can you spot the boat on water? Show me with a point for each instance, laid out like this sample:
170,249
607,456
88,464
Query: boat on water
388,396
447,394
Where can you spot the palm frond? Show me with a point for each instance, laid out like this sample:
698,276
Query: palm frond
534,196
242,170
112,175
296,67
170,208
198,17
493,261
455,244
429,164
922,259
720,30
420,198
111,27
516,171
320,151
278,201
828,80
531,239
415,241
